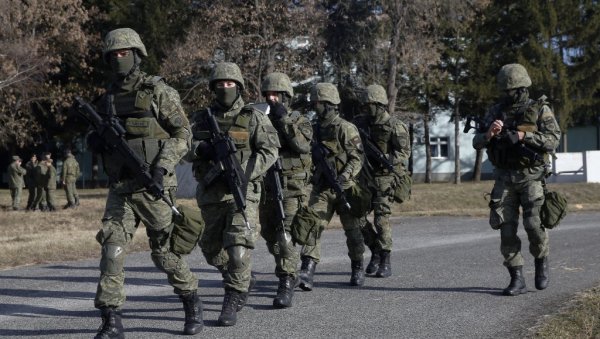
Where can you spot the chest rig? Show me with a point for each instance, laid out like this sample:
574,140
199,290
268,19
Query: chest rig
523,118
144,134
292,162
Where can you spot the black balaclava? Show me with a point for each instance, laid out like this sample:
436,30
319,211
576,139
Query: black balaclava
516,96
122,67
227,96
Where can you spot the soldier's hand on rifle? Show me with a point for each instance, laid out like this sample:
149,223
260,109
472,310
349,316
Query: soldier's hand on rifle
278,110
495,129
342,180
156,189
205,150
512,137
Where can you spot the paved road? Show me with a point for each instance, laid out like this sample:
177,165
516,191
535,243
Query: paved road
447,283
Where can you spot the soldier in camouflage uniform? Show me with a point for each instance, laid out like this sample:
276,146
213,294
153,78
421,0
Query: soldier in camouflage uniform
295,135
390,135
228,238
158,132
50,187
16,174
70,173
342,140
30,181
521,135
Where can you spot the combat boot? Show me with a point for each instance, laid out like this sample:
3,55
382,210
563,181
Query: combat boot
68,205
192,306
373,265
358,275
385,268
307,271
285,292
76,201
244,296
111,327
541,273
517,282
231,301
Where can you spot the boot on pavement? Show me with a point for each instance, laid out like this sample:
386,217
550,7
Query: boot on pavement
112,327
307,272
192,306
517,282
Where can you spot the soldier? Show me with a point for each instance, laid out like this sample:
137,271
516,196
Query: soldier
521,135
50,185
158,132
295,135
30,181
15,181
70,173
41,183
345,157
230,231
390,136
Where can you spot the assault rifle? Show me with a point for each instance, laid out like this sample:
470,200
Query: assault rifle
274,176
372,150
319,157
227,164
476,123
113,135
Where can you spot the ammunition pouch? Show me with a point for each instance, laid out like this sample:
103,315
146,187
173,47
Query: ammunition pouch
553,210
403,188
359,196
306,226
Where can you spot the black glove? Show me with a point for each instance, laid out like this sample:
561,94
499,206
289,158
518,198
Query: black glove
95,143
278,111
156,188
205,150
512,137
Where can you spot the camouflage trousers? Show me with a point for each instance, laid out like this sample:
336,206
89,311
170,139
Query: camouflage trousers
227,241
325,203
122,216
285,265
15,194
71,191
506,198
378,235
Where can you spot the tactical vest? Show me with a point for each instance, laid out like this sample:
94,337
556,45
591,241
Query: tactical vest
293,163
525,119
236,127
381,136
144,134
337,156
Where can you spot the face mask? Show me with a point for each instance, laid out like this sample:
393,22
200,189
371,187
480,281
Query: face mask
226,96
371,110
517,95
122,66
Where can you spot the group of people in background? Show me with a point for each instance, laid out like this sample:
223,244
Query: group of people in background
325,163
40,179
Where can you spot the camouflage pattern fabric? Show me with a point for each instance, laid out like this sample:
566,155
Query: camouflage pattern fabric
16,175
70,173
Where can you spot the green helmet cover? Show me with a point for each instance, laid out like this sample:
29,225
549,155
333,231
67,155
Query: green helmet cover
277,82
226,71
324,91
512,76
374,94
123,38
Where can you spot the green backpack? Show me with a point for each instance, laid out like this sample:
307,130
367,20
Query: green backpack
306,226
187,229
553,210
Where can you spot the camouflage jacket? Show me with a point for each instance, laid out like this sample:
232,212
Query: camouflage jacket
15,175
70,169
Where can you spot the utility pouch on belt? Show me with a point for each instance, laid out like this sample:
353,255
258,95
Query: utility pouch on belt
553,210
187,230
403,188
306,229
359,197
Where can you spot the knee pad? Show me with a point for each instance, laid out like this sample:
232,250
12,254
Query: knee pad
167,262
239,258
113,258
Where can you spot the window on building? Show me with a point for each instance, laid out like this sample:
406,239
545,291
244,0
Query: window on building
439,147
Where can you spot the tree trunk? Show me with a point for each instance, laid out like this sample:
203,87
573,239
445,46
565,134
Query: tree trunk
392,91
427,145
456,142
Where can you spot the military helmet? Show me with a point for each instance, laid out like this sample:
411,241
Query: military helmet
123,38
512,76
374,94
277,82
226,71
324,91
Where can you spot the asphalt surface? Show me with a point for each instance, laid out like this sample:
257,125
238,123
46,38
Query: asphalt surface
447,282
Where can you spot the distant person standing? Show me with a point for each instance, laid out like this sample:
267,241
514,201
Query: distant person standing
41,181
50,187
70,173
15,181
30,181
